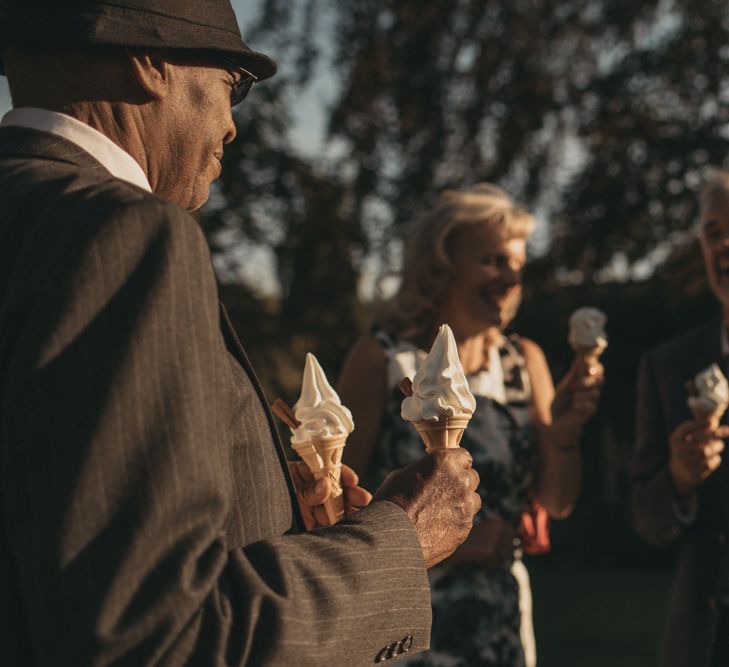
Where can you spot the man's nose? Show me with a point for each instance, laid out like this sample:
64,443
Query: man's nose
231,131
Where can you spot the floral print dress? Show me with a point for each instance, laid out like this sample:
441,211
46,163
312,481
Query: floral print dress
476,615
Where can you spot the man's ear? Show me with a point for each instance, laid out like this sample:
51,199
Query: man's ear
151,72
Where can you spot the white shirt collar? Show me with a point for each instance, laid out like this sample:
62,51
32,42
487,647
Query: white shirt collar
116,160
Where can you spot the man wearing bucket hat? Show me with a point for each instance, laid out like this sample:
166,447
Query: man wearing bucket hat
148,516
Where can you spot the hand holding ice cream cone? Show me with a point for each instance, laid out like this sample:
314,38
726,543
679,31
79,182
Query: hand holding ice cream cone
441,404
319,439
588,340
696,445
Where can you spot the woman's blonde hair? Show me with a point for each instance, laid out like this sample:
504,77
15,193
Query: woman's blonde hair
427,266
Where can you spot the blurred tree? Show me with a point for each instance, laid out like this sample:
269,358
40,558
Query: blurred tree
604,114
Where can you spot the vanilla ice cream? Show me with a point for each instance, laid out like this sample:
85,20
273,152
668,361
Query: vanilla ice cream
440,387
587,330
319,409
711,392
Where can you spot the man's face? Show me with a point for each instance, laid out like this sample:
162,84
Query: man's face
195,124
714,237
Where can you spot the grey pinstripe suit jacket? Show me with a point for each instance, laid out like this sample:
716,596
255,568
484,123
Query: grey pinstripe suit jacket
146,513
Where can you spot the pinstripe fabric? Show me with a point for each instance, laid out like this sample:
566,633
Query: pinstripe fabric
144,501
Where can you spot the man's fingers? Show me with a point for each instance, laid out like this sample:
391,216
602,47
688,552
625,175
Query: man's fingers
712,448
463,456
307,514
472,479
476,500
320,515
301,473
357,496
349,477
316,493
687,428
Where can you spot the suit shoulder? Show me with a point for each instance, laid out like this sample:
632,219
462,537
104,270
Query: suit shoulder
678,345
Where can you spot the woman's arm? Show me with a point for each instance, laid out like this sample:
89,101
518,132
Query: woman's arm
362,387
558,418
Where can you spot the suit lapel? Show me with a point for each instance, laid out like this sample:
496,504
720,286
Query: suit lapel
236,349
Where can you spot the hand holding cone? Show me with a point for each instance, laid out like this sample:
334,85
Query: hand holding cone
320,425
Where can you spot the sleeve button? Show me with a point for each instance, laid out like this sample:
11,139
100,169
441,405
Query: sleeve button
383,655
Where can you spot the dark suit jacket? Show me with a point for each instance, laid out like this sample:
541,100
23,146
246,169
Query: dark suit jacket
146,512
690,630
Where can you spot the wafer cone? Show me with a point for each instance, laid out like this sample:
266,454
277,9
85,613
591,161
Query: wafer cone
323,456
713,416
586,358
446,433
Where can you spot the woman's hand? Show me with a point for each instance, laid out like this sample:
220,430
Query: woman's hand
575,402
491,543
311,494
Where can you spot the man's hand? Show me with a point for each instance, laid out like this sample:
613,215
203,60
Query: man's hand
312,493
438,493
695,453
491,543
575,402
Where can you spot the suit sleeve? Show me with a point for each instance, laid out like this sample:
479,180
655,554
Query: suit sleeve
653,501
117,482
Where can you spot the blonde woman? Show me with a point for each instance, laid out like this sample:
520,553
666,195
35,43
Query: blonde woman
463,266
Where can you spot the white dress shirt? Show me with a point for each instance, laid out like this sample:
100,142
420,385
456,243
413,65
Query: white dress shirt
115,159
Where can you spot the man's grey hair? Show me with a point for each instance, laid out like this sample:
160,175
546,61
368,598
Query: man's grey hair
715,193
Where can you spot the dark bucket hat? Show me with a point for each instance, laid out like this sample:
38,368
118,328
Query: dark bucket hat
208,25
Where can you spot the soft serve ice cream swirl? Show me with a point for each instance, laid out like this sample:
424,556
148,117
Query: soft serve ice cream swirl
319,408
440,387
712,391
587,329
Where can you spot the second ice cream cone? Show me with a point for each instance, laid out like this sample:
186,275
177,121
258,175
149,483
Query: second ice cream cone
446,433
323,456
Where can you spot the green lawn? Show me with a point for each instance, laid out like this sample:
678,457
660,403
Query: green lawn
598,618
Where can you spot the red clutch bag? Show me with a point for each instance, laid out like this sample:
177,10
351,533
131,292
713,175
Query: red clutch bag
534,529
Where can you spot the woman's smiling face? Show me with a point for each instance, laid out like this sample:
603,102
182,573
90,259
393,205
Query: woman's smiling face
486,287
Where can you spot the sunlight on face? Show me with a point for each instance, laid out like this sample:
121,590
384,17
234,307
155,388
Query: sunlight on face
486,288
200,125
714,238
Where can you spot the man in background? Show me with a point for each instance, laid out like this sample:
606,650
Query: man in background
680,480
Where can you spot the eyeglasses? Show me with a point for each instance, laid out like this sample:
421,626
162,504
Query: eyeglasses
243,85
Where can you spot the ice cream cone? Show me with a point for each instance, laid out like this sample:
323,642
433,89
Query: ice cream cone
714,416
446,433
708,395
323,456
